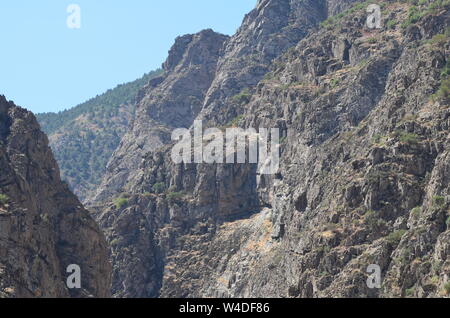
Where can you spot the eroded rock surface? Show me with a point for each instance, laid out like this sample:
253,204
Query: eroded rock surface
43,226
364,161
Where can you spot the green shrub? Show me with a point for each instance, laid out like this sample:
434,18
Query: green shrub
120,202
409,292
174,196
391,24
378,139
446,70
447,288
328,23
235,121
438,4
159,187
395,237
438,39
438,200
3,199
414,15
416,212
243,97
443,93
373,221
408,138
334,82
448,222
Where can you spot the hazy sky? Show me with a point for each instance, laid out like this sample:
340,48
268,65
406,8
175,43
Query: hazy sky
46,66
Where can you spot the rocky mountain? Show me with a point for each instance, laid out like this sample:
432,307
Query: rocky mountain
43,226
364,119
84,137
170,101
364,159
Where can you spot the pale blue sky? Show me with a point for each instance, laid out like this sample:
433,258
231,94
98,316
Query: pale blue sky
45,66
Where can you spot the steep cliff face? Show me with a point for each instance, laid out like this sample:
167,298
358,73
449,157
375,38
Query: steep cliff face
363,115
361,179
266,32
43,226
169,101
174,101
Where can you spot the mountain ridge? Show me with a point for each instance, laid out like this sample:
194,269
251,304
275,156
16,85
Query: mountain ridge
84,137
364,119
311,230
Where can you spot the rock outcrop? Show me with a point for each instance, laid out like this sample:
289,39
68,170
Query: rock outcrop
43,226
172,100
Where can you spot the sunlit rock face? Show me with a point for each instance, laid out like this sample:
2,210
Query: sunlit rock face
363,176
43,226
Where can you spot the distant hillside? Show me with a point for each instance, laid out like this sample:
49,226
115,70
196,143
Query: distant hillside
84,137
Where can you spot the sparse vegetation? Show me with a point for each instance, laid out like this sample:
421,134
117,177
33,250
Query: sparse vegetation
395,237
331,21
421,8
438,39
235,121
409,292
443,92
108,101
174,196
438,201
416,212
159,187
378,139
334,82
120,202
408,138
3,199
447,288
414,15
391,24
373,221
243,97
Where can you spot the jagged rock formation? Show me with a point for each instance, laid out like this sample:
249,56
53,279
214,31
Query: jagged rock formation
43,226
364,171
170,101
